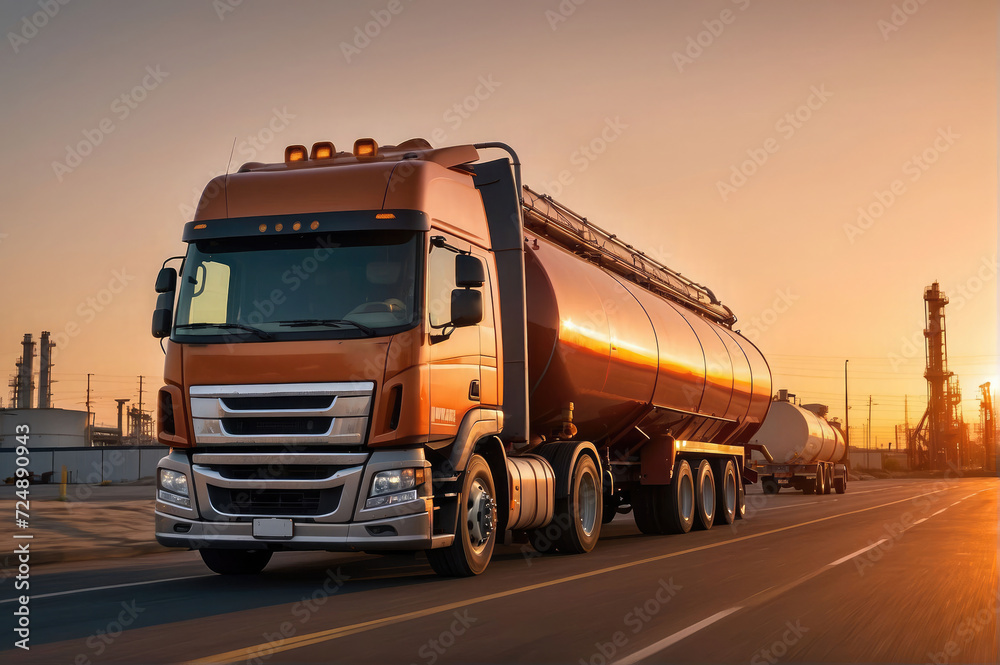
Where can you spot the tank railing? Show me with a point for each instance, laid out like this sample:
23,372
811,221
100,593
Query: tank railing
606,250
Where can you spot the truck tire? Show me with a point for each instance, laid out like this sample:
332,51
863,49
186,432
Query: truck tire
681,505
840,484
829,480
662,509
769,485
819,485
644,508
704,490
742,512
581,512
235,562
726,493
470,552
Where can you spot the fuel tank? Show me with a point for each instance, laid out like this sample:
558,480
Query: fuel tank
632,364
793,434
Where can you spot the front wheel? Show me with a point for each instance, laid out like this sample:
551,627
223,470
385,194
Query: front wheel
470,552
840,483
235,562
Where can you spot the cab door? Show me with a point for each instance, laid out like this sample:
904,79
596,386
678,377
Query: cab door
455,372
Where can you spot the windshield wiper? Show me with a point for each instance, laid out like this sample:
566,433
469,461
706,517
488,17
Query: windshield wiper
263,334
329,322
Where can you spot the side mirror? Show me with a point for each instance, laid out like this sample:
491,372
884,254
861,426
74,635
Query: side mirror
469,272
466,307
166,280
163,315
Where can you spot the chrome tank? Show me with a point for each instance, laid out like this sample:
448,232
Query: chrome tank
793,434
633,364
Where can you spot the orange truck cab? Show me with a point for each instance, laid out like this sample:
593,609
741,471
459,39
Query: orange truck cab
384,349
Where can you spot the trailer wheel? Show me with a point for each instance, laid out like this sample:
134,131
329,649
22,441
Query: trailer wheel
704,484
840,483
726,494
470,552
680,508
770,485
646,510
819,487
235,562
660,509
742,502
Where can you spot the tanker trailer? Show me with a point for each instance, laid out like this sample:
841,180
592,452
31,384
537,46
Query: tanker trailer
806,452
400,348
661,385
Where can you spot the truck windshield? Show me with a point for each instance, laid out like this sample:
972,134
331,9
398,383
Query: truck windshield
349,284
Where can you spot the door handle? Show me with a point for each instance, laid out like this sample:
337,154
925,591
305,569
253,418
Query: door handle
474,390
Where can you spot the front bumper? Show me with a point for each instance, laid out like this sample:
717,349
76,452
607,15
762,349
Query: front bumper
406,532
318,496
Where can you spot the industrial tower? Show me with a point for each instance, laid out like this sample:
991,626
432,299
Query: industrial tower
939,445
989,433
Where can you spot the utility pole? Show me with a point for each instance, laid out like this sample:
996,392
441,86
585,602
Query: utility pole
847,415
89,442
142,422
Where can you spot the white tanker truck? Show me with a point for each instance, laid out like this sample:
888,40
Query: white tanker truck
801,449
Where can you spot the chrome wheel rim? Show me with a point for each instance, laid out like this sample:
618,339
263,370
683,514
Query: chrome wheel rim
587,504
480,514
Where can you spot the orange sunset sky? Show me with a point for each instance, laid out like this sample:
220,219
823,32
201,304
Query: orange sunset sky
816,163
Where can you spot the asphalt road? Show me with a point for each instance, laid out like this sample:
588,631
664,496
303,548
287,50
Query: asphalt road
892,571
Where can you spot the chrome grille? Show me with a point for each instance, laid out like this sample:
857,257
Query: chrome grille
293,413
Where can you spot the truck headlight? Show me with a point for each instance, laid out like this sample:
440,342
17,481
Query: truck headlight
173,488
394,486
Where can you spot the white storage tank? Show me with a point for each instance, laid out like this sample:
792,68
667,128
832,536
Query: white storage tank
793,434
